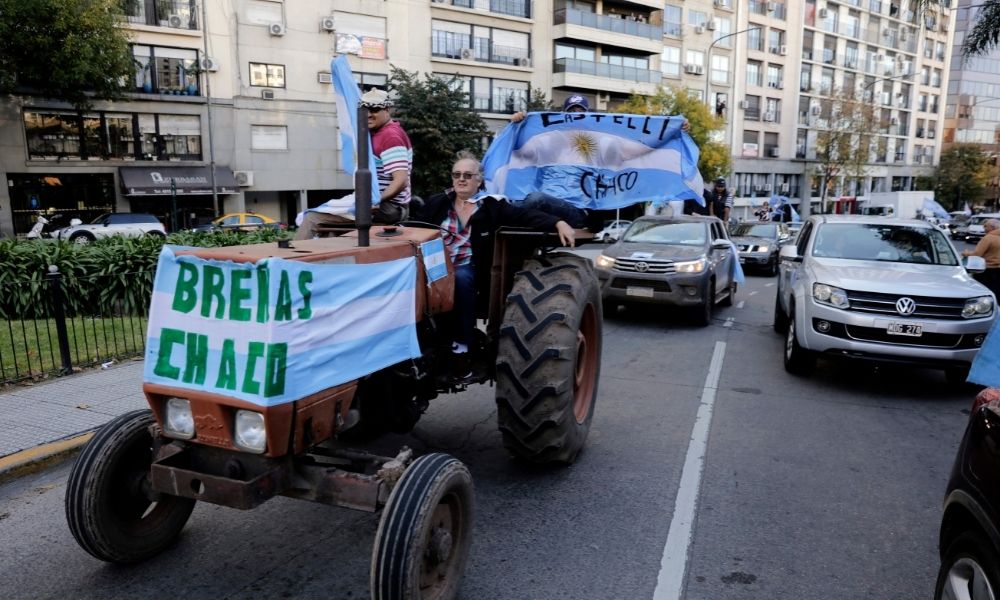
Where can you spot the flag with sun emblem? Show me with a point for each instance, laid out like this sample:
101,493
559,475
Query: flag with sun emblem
595,160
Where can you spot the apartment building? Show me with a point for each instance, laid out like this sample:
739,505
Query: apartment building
972,113
248,92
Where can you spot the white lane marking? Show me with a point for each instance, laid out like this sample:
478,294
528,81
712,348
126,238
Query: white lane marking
673,565
769,284
729,322
753,292
741,304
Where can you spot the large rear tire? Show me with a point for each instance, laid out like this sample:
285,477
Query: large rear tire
111,510
798,360
549,359
424,535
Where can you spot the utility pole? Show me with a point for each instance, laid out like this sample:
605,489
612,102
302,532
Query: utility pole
208,107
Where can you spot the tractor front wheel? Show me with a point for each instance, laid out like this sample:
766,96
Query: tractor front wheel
549,359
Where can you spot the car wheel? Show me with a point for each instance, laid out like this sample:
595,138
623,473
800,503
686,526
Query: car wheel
969,569
798,360
730,295
780,318
773,267
82,237
156,234
704,316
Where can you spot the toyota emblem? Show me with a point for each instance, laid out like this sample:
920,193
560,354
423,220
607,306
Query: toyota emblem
641,267
905,306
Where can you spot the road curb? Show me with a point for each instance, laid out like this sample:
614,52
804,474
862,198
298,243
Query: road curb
34,459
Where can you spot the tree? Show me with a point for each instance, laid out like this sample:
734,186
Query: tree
962,176
435,114
845,139
72,50
714,160
984,35
538,101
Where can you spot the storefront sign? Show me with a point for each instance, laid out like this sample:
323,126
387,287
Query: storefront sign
153,181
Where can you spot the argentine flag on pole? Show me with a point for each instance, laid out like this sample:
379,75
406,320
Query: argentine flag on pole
277,330
347,99
595,160
935,210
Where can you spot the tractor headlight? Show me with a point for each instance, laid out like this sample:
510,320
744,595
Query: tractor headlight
691,266
827,294
605,262
179,421
251,435
977,307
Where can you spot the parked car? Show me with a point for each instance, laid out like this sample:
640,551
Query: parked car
974,230
969,542
880,288
612,230
758,244
793,231
109,224
680,261
240,222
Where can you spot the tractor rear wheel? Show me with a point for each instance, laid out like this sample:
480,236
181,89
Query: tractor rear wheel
549,359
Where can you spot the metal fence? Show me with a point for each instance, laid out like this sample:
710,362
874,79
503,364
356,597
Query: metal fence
96,320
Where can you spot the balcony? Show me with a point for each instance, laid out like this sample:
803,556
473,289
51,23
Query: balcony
585,74
607,30
513,8
461,46
175,14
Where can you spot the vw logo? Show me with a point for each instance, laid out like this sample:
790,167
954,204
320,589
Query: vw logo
641,267
905,306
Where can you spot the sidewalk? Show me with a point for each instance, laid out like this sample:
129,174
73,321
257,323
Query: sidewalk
48,418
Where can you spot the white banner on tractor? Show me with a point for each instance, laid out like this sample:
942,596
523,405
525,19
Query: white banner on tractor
275,331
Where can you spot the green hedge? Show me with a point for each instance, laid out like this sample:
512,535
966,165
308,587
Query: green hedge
111,276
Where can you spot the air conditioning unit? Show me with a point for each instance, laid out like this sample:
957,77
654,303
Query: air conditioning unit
243,178
758,188
769,117
930,134
522,62
175,21
718,3
439,1
823,14
710,25
691,69
699,29
815,111
267,94
773,153
324,77
467,54
744,104
327,24
767,186
783,188
602,101
276,29
894,121
783,50
772,6
207,63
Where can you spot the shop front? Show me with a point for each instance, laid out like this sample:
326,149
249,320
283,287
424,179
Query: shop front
181,193
59,197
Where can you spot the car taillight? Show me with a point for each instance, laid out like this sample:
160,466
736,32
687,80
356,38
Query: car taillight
985,397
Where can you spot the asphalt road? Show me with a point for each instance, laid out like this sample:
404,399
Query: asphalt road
826,487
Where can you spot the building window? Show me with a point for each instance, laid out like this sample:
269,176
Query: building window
486,44
723,27
362,35
52,135
498,95
672,24
775,40
755,40
162,70
177,14
752,112
268,137
720,69
694,57
751,147
515,8
575,52
620,60
775,76
696,18
265,75
367,81
670,61
112,136
754,73
772,110
181,135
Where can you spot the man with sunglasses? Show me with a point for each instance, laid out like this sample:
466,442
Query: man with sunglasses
393,163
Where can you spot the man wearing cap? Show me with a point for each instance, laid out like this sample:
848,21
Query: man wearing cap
393,163
719,200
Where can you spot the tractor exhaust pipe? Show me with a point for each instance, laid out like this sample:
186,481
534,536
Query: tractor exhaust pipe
363,182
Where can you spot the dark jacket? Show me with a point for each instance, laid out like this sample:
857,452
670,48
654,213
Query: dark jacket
492,215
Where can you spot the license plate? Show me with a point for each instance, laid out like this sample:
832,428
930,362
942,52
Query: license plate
910,329
642,292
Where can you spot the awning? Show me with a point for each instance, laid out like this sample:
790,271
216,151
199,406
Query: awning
156,181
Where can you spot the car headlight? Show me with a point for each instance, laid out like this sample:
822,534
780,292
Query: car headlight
977,307
251,435
605,262
691,266
764,248
179,422
827,294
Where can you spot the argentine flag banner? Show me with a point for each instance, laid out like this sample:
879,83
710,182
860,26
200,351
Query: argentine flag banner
595,160
347,98
278,330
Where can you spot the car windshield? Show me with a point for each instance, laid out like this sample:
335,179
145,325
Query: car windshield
767,230
659,232
888,243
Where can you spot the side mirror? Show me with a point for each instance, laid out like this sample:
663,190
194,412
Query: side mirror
790,252
721,244
975,264
75,222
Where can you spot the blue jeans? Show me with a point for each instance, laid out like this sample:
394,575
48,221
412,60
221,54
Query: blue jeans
556,207
465,302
